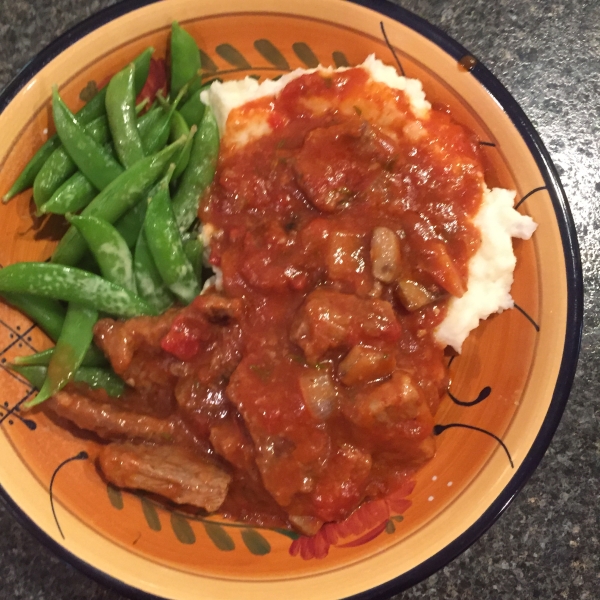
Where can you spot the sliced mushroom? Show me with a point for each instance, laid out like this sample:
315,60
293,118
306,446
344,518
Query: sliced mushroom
386,255
364,364
414,295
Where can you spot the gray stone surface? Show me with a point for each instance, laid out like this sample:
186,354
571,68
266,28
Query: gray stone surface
546,545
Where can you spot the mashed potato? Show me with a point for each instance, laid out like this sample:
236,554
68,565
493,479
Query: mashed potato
490,269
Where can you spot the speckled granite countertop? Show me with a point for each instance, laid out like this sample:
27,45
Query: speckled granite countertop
546,545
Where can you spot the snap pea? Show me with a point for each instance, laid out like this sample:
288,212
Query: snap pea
73,285
116,199
147,122
195,84
109,249
59,166
164,242
73,195
46,312
199,172
185,58
92,376
150,285
120,110
178,128
142,68
93,358
93,160
193,109
75,339
194,249
159,135
90,111
77,192
131,223
28,174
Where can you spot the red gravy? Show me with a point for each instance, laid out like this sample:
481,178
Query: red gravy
338,381
309,383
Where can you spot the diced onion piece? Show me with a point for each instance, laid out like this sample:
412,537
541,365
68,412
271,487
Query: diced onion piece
319,393
306,525
385,254
364,364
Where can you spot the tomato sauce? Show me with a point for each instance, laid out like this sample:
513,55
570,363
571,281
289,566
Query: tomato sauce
342,228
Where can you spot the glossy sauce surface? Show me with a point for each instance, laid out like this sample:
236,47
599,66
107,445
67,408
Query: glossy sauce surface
336,383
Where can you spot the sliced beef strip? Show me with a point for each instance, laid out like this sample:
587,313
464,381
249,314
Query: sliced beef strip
168,471
114,419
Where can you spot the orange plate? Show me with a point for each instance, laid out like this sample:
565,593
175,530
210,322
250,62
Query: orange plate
523,359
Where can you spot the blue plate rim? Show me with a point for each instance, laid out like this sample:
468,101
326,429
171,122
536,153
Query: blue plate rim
574,295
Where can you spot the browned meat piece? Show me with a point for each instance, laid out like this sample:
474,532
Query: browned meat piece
114,419
218,309
231,441
395,411
330,166
134,350
347,261
432,254
329,319
168,471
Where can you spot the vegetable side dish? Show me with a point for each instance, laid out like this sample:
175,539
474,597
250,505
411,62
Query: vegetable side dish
341,224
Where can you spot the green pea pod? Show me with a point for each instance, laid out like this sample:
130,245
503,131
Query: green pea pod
93,358
92,376
178,128
166,247
59,166
116,199
77,192
141,68
185,58
150,285
194,250
193,109
159,135
199,172
148,121
71,284
90,111
93,160
120,109
73,195
131,223
74,341
46,312
109,249
32,168
195,84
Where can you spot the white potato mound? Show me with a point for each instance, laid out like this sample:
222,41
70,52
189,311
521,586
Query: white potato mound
490,269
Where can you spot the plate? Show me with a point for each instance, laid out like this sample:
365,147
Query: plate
509,385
